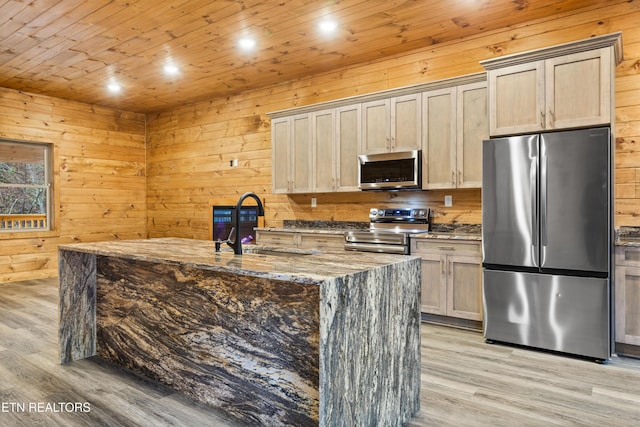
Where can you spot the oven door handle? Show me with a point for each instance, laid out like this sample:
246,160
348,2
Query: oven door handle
372,247
377,238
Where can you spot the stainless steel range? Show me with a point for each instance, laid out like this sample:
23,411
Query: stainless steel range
389,230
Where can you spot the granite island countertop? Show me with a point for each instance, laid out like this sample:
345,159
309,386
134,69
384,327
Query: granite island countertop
294,264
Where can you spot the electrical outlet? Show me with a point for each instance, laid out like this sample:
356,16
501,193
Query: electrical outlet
314,202
448,201
233,163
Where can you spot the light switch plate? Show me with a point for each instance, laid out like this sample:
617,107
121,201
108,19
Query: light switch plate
313,202
448,201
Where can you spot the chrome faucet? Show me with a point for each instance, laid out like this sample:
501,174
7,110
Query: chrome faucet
236,243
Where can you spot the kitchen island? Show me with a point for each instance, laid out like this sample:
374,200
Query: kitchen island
272,337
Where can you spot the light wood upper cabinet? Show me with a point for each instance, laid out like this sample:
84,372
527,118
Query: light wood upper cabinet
439,139
280,142
455,123
516,99
348,139
579,89
324,150
472,128
336,138
560,87
291,157
392,124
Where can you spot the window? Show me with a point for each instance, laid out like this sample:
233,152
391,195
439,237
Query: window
25,186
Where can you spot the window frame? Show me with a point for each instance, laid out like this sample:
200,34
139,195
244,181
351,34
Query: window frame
53,204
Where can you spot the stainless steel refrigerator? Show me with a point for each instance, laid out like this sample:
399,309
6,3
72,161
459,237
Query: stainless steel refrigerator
547,241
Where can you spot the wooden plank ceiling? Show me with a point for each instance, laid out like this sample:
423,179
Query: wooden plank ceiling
72,49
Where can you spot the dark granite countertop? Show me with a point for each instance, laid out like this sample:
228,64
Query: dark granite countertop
453,232
317,227
627,236
439,231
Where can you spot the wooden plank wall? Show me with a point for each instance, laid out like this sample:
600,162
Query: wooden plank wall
100,177
189,148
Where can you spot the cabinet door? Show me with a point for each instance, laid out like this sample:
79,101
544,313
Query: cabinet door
578,89
324,151
516,99
376,129
348,132
439,139
406,123
628,256
301,154
627,309
472,129
434,292
280,141
464,287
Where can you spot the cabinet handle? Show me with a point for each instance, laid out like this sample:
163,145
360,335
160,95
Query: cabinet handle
459,178
542,119
446,248
442,267
552,118
453,178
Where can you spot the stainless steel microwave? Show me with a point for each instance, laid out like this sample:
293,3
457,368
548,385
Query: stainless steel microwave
391,171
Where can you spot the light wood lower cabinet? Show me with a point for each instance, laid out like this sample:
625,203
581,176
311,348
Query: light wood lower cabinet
278,238
451,277
296,239
627,295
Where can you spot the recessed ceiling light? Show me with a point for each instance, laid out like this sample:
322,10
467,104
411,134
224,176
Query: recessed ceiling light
114,87
328,26
247,43
171,70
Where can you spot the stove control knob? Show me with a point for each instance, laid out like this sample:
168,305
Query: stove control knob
373,212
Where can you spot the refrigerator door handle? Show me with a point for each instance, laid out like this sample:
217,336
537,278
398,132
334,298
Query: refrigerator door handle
533,175
543,203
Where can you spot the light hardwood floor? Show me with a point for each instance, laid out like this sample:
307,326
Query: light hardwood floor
465,382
